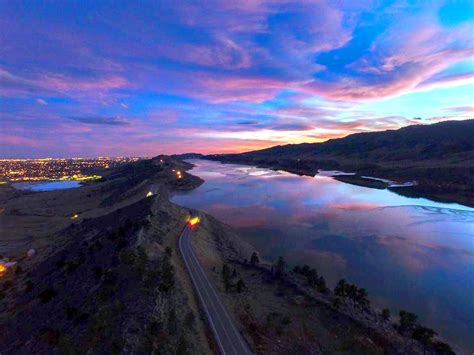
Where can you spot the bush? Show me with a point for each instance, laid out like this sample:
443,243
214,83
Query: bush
254,260
71,312
142,258
189,320
443,348
423,335
407,320
280,266
47,295
226,276
386,314
240,286
167,275
358,296
7,284
51,336
322,284
28,286
127,256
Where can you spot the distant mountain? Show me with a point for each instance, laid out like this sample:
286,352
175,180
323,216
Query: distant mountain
439,156
417,142
187,156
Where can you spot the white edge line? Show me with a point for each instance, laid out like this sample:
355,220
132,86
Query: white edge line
200,296
239,336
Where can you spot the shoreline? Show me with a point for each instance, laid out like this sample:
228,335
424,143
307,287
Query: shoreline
216,244
229,251
424,188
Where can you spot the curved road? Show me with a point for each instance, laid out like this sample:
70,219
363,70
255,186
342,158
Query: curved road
228,338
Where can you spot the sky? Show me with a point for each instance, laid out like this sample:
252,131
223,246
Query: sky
137,78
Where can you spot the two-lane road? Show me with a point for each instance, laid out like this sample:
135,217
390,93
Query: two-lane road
227,336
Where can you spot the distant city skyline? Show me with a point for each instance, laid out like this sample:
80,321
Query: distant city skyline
88,79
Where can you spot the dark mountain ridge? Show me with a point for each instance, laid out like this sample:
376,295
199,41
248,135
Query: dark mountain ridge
440,157
422,141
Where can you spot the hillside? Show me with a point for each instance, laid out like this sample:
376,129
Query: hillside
439,157
106,276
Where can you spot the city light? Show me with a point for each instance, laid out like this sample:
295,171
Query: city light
149,194
56,169
74,216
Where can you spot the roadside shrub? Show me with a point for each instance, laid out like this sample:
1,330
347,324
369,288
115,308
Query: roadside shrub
423,335
47,295
226,276
189,320
240,286
167,274
280,266
71,312
28,286
443,348
345,290
51,336
98,272
127,256
254,259
336,303
407,320
7,284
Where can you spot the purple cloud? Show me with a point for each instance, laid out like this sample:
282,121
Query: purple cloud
187,70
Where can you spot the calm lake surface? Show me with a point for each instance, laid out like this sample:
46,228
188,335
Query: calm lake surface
409,253
47,185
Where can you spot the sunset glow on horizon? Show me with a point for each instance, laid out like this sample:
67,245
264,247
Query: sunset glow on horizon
87,78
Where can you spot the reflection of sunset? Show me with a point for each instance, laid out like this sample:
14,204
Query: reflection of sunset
353,205
251,216
371,237
418,256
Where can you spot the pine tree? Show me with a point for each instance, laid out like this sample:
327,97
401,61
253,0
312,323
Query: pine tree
240,285
254,260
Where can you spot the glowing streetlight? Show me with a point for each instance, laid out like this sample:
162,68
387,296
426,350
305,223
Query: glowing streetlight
195,220
149,194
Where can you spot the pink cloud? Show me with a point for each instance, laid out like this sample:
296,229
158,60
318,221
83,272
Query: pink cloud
15,140
57,84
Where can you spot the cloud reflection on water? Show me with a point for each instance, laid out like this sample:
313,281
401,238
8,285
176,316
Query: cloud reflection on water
403,250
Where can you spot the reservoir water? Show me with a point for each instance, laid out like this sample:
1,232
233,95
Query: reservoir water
409,253
47,185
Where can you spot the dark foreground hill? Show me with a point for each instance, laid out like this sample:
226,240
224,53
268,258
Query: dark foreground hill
106,277
440,157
